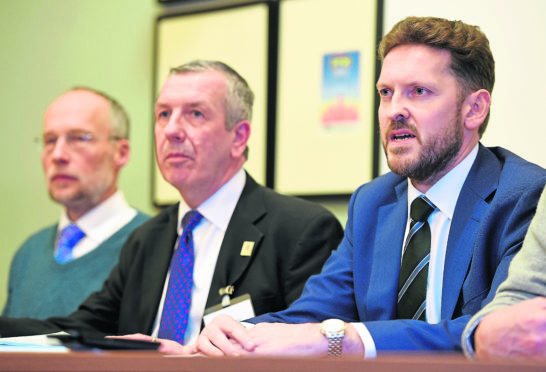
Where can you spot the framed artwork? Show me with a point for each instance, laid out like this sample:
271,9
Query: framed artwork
237,36
326,102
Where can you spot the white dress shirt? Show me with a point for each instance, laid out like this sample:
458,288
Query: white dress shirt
207,239
443,194
99,223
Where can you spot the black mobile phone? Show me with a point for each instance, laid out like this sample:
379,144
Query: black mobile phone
79,341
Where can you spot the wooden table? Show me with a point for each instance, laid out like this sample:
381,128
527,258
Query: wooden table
154,361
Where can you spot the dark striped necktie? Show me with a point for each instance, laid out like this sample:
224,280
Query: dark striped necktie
412,283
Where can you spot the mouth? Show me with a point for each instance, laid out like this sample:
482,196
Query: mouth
62,178
401,135
177,156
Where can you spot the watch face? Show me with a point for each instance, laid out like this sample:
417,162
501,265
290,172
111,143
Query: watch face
333,325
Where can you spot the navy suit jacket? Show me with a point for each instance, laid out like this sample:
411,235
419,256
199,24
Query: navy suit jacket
359,282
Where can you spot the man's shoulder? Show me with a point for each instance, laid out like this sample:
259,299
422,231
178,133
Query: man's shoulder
510,159
40,240
164,217
139,219
275,201
41,236
386,188
119,237
515,171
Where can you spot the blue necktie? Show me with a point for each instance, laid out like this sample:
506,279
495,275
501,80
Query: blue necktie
70,236
174,319
412,283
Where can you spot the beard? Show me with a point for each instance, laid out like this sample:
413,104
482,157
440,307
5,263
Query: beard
435,154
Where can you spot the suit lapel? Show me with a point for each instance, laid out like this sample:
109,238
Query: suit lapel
156,264
472,206
391,221
231,264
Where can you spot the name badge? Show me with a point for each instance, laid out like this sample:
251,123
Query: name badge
240,308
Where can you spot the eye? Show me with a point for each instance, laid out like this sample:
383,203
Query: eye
79,137
197,113
384,92
421,91
49,140
163,114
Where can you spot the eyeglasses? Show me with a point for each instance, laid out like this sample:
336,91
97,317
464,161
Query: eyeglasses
76,140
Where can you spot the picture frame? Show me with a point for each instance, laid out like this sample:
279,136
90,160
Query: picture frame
326,128
237,35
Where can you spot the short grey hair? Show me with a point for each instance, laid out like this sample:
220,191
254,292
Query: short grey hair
239,98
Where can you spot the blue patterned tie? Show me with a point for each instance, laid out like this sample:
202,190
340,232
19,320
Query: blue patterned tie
174,319
70,236
412,283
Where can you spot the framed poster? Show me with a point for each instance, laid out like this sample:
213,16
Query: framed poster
326,96
237,36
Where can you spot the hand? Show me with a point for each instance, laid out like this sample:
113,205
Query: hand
224,336
288,340
165,347
278,339
517,331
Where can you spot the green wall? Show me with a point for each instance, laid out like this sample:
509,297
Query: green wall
47,46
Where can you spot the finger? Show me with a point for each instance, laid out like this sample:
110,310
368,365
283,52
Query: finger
218,338
241,336
172,347
136,336
206,347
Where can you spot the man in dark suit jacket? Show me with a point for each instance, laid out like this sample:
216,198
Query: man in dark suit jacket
435,87
268,246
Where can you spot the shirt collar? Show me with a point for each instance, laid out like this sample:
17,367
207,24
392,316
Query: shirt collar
220,206
93,222
445,192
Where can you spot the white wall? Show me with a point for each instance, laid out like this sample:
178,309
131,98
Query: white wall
517,35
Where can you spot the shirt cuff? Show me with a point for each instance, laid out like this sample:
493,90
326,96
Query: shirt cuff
467,340
370,351
247,325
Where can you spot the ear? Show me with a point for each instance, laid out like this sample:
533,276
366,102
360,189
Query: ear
122,152
241,134
476,108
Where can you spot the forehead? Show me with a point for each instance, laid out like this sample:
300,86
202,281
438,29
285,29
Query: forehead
415,62
193,87
77,110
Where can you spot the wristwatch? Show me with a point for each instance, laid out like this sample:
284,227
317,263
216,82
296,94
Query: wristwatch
333,330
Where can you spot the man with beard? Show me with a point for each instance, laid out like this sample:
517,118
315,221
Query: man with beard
427,245
85,146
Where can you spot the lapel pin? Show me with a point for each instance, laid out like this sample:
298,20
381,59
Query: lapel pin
247,248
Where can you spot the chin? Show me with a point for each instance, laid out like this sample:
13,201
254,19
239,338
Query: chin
400,165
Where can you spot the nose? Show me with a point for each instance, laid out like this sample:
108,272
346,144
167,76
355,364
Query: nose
60,150
175,129
398,109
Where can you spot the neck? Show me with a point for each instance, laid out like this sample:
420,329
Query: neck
195,195
76,210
